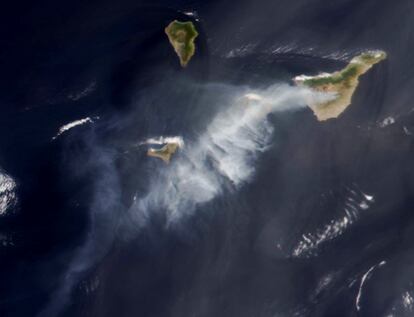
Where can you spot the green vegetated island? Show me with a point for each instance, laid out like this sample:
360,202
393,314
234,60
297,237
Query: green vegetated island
181,36
342,83
165,153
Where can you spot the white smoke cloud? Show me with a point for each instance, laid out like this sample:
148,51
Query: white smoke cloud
224,154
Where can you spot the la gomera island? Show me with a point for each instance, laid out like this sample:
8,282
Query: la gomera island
181,36
342,83
165,153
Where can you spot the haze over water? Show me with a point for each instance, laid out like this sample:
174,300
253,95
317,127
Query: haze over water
263,210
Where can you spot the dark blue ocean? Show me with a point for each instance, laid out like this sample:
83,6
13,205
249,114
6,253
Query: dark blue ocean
282,217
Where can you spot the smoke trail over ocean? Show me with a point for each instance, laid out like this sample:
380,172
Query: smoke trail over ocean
104,218
224,154
221,156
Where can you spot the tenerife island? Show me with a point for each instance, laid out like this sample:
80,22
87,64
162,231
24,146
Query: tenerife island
181,36
341,83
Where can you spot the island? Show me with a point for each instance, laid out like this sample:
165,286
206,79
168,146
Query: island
341,83
165,153
181,36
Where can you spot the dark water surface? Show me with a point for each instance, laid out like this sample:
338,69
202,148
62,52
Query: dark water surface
323,228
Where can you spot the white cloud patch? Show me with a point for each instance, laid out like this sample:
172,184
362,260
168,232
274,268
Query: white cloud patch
386,122
71,125
7,193
163,140
364,279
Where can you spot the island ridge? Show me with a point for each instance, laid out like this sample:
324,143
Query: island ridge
342,84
